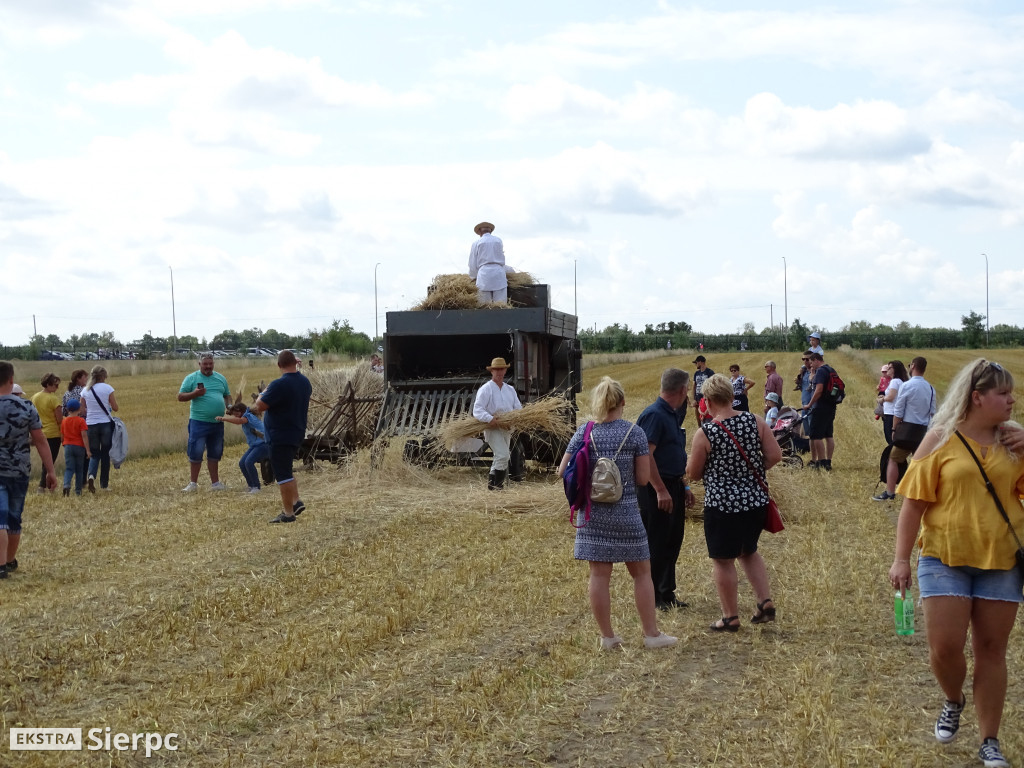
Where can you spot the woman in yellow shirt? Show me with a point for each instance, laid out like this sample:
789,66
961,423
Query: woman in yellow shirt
967,570
48,403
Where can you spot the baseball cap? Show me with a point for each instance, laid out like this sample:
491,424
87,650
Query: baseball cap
17,390
774,397
700,359
815,335
72,405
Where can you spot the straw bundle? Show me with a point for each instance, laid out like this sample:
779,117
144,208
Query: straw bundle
460,292
546,416
330,385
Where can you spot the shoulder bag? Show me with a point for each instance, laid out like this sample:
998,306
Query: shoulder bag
1019,554
772,517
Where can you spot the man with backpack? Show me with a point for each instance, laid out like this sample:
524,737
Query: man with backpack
664,499
822,408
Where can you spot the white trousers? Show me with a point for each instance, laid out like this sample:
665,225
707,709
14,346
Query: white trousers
500,442
488,296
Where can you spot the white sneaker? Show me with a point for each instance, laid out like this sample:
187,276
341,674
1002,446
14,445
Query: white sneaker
661,640
254,489
218,486
610,643
190,488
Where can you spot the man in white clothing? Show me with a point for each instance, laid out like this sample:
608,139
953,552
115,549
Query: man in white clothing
493,399
487,265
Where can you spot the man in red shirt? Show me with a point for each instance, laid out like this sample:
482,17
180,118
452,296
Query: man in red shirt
773,382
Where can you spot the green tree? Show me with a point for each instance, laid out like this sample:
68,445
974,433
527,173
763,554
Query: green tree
974,329
53,341
341,339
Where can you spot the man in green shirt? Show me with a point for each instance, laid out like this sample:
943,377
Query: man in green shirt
208,395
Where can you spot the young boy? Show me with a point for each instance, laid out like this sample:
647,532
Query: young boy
771,404
20,428
76,447
258,450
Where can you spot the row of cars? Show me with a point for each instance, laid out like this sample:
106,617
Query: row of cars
246,352
49,354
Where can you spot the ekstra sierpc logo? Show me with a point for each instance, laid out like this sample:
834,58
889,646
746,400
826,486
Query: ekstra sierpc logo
95,739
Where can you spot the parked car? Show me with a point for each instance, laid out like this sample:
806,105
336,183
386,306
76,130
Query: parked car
48,355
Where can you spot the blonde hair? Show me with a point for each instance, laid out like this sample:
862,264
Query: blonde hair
97,375
718,390
979,376
606,397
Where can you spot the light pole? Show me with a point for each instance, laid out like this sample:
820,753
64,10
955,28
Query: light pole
376,332
785,301
986,298
575,307
174,319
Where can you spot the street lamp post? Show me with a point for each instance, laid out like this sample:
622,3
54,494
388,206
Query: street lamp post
376,332
785,300
174,319
986,299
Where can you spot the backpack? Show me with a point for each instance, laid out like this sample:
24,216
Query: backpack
576,479
835,390
606,482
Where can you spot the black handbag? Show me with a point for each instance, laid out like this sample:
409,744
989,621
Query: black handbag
908,436
1019,554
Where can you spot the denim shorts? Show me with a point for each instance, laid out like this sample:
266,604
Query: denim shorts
205,436
12,502
936,579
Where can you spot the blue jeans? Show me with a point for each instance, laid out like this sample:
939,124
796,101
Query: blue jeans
74,466
101,437
249,463
12,502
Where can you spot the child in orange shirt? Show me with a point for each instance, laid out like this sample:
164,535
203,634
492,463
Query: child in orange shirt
76,447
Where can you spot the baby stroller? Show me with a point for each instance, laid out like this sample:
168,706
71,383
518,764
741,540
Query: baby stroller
789,433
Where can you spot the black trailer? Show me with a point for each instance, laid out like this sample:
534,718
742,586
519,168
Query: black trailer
435,360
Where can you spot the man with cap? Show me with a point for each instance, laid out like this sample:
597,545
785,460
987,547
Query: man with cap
702,374
814,344
493,399
487,265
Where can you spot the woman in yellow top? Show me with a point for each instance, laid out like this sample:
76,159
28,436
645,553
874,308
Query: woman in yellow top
966,571
51,413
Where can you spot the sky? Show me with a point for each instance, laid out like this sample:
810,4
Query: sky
287,163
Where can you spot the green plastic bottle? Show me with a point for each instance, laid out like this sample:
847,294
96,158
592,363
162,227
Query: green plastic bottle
904,613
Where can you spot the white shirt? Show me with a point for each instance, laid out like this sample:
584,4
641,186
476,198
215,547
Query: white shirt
492,400
816,347
93,413
487,263
894,386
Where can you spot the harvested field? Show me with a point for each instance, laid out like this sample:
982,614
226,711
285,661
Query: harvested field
411,618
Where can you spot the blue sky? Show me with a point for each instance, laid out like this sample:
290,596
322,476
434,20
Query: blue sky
680,157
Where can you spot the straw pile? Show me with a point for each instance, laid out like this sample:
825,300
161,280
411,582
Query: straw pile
460,292
544,417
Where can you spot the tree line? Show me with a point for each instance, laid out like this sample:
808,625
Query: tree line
338,338
859,334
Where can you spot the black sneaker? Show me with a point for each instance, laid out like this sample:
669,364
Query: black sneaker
990,754
673,603
283,518
3,571
298,507
92,484
948,723
13,565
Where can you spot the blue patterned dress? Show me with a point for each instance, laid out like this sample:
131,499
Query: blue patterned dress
615,533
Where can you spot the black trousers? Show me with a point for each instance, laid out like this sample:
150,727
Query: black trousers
664,535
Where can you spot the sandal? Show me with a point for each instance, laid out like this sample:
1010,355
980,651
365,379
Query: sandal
727,624
764,614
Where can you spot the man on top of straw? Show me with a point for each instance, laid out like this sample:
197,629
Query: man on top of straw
487,265
493,399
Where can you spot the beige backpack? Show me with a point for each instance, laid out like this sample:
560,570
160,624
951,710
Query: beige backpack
605,481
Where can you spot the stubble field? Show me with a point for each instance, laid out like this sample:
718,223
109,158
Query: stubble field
411,618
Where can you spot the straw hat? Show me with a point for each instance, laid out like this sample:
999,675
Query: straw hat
483,226
498,362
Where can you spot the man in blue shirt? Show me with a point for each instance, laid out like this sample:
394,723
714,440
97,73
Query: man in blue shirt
286,402
915,404
664,499
208,395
